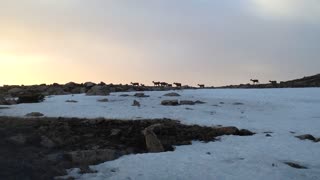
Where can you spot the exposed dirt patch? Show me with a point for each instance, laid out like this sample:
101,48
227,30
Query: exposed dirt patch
43,148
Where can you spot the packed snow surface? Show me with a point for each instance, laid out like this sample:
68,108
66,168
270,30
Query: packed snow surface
283,113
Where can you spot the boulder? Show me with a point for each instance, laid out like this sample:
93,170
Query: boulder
173,94
186,102
306,137
103,100
71,101
34,114
55,90
135,103
3,101
153,144
89,157
199,102
30,97
46,142
89,84
295,165
170,103
18,139
124,95
228,130
98,91
16,91
141,95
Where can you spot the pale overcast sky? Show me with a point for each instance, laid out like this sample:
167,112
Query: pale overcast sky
213,42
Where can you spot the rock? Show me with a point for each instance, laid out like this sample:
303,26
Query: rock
89,84
55,90
3,101
268,135
141,95
98,91
238,103
103,100
306,137
70,85
124,95
317,140
115,132
46,142
11,101
152,142
295,165
199,102
170,103
172,94
89,157
228,130
34,114
71,101
136,103
18,140
245,132
16,91
30,97
186,102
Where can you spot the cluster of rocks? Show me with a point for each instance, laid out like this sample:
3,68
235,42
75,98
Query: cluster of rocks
308,137
67,143
176,102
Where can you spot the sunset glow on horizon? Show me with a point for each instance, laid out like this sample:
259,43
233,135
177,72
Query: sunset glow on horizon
208,42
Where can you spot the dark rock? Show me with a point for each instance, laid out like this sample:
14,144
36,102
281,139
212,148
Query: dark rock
47,143
152,142
88,157
136,103
173,94
103,100
238,103
199,102
124,95
98,91
141,95
18,139
268,135
30,97
34,114
3,101
245,132
90,84
170,103
295,165
16,91
71,101
186,102
306,137
115,132
228,130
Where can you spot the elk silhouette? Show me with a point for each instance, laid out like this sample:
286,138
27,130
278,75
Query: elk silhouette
135,84
156,83
255,81
201,85
169,85
163,84
177,84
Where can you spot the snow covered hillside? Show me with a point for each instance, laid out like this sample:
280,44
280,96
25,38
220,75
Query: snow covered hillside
280,113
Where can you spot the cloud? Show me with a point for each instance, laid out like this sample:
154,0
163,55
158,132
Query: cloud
301,10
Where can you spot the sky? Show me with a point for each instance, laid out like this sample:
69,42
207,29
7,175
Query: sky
210,42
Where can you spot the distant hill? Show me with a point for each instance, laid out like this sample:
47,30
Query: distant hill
307,81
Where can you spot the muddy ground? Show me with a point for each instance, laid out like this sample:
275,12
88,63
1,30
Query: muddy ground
44,148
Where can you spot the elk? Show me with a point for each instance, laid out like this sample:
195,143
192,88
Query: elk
177,84
255,81
169,85
163,84
156,83
201,85
135,84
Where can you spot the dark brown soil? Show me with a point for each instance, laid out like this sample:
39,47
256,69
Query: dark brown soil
42,147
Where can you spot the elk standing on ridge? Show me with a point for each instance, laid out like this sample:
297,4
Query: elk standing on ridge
177,84
156,83
135,84
201,85
255,81
164,84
